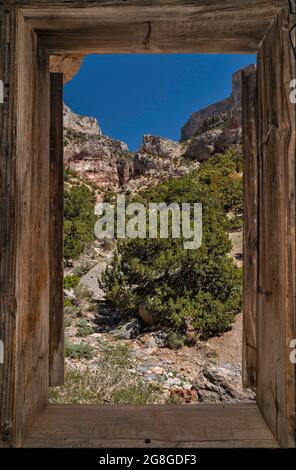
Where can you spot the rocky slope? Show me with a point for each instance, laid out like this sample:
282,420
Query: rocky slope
206,372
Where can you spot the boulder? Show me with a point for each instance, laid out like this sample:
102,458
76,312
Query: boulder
227,138
222,384
203,146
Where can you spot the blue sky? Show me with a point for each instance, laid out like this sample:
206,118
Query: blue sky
133,95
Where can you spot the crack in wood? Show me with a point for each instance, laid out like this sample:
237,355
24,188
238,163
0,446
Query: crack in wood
292,31
292,34
148,35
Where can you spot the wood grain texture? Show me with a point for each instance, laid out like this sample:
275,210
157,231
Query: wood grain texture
130,426
8,233
249,107
23,233
32,202
175,26
276,258
182,3
116,26
166,37
56,239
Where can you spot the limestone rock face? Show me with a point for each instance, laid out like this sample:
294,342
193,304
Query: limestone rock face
83,124
237,86
219,113
228,138
200,148
68,65
99,159
110,165
161,147
94,156
201,120
158,159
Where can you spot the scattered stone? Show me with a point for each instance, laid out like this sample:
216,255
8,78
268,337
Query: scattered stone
158,371
69,293
160,338
185,394
173,381
130,330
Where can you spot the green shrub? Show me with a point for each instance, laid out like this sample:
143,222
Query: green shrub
83,267
67,322
138,393
83,328
180,288
174,340
79,219
68,302
110,381
78,350
71,281
69,174
82,292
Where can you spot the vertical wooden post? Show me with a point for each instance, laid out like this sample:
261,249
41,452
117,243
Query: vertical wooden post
249,109
8,233
24,211
276,256
56,252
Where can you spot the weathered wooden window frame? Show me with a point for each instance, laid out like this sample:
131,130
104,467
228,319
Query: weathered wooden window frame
29,32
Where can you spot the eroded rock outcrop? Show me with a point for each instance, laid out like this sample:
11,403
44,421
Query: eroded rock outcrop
67,64
161,147
225,113
217,384
109,163
83,124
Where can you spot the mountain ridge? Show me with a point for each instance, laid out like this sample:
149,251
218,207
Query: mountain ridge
109,163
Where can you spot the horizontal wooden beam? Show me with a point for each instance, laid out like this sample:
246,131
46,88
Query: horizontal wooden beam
238,425
169,37
150,3
175,27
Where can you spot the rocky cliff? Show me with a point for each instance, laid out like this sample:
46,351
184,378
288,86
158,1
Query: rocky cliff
109,163
225,112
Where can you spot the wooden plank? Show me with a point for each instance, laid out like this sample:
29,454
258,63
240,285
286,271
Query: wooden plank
166,37
249,107
228,4
175,26
145,426
24,178
70,16
276,258
32,175
56,239
8,234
